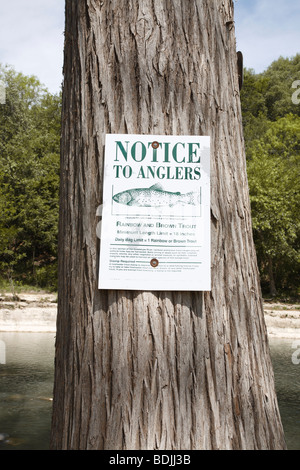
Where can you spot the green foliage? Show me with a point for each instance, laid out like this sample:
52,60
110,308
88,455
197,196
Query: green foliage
280,76
272,128
29,177
254,106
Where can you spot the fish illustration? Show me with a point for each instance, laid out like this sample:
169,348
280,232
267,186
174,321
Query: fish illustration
155,196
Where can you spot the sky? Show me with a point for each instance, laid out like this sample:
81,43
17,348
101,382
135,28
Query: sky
31,35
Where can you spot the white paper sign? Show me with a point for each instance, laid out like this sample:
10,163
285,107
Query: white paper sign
156,213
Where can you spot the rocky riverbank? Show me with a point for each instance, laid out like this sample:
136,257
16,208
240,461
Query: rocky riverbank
28,312
36,312
282,320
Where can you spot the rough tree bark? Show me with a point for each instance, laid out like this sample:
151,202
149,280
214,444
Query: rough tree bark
157,370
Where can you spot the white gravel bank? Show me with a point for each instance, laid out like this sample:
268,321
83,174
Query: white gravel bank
36,312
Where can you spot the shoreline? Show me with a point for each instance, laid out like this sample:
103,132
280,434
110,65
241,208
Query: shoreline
282,321
36,313
30,313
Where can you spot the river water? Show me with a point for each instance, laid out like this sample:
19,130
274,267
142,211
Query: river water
26,388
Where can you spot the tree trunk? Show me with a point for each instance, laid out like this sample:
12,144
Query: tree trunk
157,370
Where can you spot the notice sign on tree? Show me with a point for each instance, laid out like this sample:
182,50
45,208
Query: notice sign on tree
156,213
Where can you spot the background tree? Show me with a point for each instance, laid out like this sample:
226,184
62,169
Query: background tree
157,370
280,75
29,177
271,127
